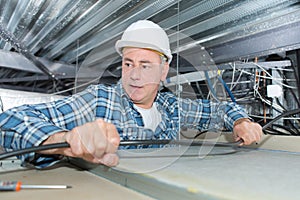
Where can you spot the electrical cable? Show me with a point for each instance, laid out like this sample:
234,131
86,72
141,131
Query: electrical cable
289,121
287,113
1,105
202,132
273,132
122,143
286,130
285,81
194,137
33,149
227,89
295,75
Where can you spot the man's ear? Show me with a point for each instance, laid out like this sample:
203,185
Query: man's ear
165,71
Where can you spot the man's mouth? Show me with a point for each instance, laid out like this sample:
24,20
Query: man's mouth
136,86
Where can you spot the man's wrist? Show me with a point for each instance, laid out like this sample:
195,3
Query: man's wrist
55,138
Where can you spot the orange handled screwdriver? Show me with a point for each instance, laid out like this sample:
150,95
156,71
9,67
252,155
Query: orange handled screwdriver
17,186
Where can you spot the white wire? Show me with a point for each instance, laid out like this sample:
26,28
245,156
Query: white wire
234,84
257,93
232,77
274,105
275,79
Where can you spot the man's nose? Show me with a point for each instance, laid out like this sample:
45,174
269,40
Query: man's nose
135,73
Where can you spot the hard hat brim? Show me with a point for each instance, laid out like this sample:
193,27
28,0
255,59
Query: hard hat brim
120,44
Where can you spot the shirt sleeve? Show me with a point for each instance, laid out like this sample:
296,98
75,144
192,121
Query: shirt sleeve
29,125
233,112
206,115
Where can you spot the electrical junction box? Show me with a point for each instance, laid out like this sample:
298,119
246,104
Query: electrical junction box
274,91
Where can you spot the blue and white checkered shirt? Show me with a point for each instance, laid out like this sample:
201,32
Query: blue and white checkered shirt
30,125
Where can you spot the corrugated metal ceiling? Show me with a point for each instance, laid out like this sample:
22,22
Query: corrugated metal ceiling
45,43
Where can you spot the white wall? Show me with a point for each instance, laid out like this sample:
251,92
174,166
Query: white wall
12,98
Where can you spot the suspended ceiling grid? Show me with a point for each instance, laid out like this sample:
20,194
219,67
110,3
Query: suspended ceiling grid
46,43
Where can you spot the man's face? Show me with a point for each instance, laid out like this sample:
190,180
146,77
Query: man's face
142,71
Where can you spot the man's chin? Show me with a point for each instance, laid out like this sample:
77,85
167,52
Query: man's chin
136,100
135,94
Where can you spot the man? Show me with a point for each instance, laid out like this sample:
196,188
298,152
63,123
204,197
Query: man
94,121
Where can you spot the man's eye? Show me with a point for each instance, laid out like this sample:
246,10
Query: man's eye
146,66
128,64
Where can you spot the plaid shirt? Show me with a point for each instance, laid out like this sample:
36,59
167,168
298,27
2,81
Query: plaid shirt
30,125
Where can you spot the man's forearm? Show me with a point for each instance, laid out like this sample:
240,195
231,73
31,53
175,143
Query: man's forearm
55,138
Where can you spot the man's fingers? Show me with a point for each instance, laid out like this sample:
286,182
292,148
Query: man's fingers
249,132
109,159
250,138
95,142
113,138
111,135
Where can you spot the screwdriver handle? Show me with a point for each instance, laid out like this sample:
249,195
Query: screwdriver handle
10,185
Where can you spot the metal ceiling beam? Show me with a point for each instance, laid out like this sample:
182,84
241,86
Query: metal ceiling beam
8,37
20,17
64,15
262,44
57,32
81,28
18,61
116,27
197,10
230,16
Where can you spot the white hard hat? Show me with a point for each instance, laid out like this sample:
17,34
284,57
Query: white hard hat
145,34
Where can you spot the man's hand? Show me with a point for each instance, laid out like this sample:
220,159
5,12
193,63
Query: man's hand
247,131
96,142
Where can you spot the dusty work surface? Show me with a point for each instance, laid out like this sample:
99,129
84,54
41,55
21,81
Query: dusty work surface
247,174
85,185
